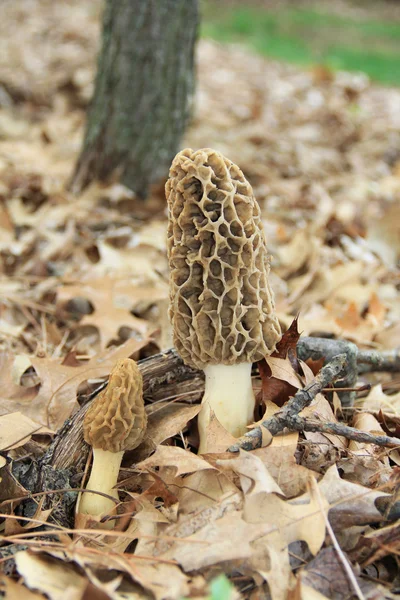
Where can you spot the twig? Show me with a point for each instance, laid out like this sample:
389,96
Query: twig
321,348
300,424
346,565
371,360
288,418
357,390
291,410
357,361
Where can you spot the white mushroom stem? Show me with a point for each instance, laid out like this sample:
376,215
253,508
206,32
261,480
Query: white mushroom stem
229,394
103,478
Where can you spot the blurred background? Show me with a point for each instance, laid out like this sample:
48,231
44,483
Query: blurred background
301,95
349,35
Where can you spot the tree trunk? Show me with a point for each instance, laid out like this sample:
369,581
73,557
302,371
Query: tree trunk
143,92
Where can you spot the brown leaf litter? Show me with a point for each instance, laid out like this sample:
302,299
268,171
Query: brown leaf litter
83,282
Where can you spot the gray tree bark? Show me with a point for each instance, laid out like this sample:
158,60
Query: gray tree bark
143,92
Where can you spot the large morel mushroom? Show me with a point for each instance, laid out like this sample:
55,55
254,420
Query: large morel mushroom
222,307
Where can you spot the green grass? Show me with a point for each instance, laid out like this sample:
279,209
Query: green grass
310,37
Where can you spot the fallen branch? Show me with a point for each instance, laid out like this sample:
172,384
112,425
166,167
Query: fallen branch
321,348
349,433
371,360
165,376
288,418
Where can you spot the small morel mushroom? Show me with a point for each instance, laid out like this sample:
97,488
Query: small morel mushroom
222,307
115,422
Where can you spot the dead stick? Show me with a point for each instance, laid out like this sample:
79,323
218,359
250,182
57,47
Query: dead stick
293,422
371,360
350,433
303,398
288,418
321,348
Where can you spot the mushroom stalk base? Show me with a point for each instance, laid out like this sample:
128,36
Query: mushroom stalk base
229,394
103,478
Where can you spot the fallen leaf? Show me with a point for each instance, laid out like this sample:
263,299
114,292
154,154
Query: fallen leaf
279,380
270,559
254,476
376,544
282,368
107,316
172,456
165,420
56,399
326,574
377,400
309,593
297,252
227,538
162,580
366,422
10,487
349,503
12,526
218,439
16,429
287,345
202,489
294,522
280,461
54,578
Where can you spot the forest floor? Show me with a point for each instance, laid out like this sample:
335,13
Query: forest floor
84,281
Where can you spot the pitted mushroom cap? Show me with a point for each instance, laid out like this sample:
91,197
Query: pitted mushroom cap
222,307
116,420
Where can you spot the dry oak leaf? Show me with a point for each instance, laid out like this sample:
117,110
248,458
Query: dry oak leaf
227,538
172,456
161,579
270,560
305,522
201,489
383,235
9,486
254,476
349,503
191,524
108,317
16,430
279,372
137,262
321,410
316,319
366,422
218,439
279,459
377,543
327,575
377,400
279,380
164,420
54,578
56,399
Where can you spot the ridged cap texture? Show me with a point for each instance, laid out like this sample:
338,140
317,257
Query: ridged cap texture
222,307
116,421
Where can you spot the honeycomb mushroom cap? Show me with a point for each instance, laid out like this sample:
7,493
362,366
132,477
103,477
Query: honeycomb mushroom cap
116,421
222,307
